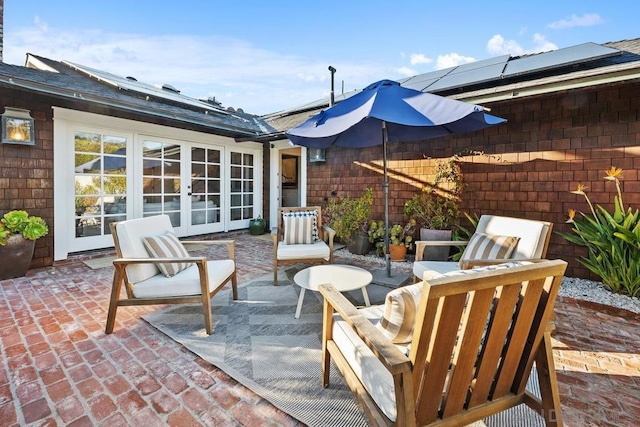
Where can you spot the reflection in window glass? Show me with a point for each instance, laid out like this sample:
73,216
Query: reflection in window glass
100,182
242,186
161,179
205,186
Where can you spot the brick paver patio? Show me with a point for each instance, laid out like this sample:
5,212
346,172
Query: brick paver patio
59,368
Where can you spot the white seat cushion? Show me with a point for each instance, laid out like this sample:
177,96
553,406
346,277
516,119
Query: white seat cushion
433,269
318,249
371,372
187,282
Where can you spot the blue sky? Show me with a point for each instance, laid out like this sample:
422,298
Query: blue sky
265,56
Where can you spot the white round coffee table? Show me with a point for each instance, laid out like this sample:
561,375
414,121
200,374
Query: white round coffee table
342,277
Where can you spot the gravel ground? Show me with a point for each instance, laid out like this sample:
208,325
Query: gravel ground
572,287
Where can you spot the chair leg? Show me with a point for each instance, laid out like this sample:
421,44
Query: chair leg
275,274
116,287
551,408
327,334
234,285
206,308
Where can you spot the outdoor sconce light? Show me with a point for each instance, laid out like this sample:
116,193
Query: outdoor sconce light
17,127
316,155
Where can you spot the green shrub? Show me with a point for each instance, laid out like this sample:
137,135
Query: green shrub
348,216
612,240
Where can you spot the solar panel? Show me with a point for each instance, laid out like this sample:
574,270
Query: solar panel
421,81
144,88
559,58
461,75
470,74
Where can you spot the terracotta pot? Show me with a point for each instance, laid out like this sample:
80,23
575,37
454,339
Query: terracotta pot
397,252
16,257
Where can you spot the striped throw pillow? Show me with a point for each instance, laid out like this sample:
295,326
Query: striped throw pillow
400,309
485,246
300,227
167,246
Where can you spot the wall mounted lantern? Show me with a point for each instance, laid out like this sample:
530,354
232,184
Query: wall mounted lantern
316,155
17,127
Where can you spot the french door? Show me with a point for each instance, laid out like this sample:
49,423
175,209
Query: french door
203,188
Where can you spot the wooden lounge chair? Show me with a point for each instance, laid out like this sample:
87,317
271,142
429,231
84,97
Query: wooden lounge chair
301,237
474,337
532,243
148,252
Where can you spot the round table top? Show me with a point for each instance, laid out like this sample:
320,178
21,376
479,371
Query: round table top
342,277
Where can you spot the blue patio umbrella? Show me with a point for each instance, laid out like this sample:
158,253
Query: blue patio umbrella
387,112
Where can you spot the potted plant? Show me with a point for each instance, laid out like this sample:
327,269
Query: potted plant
350,218
401,238
257,226
18,233
437,214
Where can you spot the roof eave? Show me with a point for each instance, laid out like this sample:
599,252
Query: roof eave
96,99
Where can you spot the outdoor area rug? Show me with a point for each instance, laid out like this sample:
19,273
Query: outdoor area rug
258,342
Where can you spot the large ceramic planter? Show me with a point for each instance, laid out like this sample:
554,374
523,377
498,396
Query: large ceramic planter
435,253
16,257
257,226
359,244
397,252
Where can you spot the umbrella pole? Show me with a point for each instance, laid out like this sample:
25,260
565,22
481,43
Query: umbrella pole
385,192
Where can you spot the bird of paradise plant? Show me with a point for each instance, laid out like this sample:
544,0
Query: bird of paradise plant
612,240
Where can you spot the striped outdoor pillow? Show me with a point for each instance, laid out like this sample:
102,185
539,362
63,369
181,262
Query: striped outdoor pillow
400,309
167,246
485,246
300,227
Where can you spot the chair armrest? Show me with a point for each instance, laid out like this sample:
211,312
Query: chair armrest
125,261
422,244
329,234
392,358
230,244
471,263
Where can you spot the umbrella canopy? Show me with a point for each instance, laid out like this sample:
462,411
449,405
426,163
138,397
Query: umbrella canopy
387,112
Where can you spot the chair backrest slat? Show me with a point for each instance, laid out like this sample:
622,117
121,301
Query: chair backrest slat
482,333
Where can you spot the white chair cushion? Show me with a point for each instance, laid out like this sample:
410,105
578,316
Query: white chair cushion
317,249
371,372
430,269
167,246
130,235
532,233
187,282
488,246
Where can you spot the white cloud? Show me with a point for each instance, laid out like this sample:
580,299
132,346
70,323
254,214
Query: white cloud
541,44
420,58
451,60
586,20
406,71
497,45
239,74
